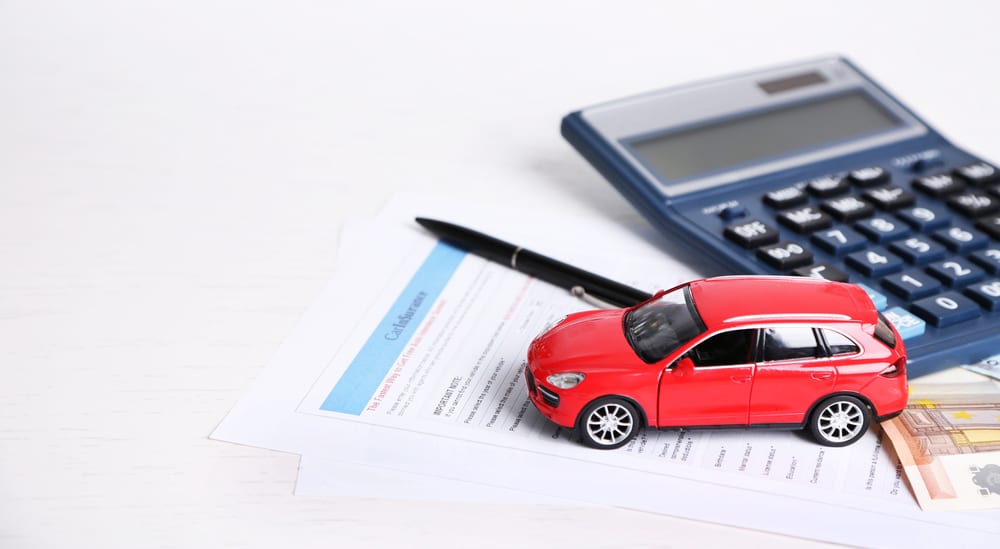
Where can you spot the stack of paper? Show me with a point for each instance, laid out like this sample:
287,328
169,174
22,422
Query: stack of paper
409,366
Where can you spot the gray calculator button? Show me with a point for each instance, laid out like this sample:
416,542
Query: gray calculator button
784,256
785,198
751,234
805,220
830,185
866,177
979,173
938,185
974,204
848,208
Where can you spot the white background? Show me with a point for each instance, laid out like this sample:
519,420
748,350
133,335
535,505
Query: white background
173,176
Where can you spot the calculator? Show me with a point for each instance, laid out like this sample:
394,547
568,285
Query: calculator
813,169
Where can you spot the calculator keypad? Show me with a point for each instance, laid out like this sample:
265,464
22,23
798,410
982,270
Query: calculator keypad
930,240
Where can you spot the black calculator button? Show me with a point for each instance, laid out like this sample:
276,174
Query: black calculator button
918,250
805,220
890,197
848,208
988,259
938,185
924,218
912,284
946,309
875,262
990,225
830,185
752,234
882,229
867,177
838,240
974,204
956,272
824,271
784,256
986,294
961,240
786,198
979,173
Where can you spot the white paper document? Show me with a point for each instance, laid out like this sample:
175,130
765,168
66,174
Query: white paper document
412,361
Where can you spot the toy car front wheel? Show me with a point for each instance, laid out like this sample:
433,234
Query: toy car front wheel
608,423
839,421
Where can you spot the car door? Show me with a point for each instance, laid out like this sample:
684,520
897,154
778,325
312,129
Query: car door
793,372
710,384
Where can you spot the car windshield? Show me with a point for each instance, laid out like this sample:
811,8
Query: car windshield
657,328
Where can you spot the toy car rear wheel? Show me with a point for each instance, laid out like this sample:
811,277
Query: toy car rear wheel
608,423
840,420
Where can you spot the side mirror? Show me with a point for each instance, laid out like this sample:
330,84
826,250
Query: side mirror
683,366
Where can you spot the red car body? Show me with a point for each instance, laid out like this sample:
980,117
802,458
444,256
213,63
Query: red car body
728,351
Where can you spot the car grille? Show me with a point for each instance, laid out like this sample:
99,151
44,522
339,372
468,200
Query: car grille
531,381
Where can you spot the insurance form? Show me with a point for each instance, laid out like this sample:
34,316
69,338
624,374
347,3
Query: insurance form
423,372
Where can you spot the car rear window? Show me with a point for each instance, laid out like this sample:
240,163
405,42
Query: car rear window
884,332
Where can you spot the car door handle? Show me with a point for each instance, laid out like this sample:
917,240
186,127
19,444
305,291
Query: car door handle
740,379
821,376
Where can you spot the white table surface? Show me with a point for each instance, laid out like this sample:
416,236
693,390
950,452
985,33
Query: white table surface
174,176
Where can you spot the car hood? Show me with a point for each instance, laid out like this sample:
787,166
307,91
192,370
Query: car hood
592,339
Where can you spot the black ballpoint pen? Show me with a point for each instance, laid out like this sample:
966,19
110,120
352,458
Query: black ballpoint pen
589,286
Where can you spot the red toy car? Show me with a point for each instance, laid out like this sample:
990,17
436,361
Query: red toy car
739,351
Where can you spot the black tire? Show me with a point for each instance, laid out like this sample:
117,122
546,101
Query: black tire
839,421
608,423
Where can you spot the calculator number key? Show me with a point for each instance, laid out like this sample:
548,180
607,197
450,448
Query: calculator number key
839,241
924,218
956,272
946,309
881,229
874,262
961,240
912,284
988,259
987,294
917,251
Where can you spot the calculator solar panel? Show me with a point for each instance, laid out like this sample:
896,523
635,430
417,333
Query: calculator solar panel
893,207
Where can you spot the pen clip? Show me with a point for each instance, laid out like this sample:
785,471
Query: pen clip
581,292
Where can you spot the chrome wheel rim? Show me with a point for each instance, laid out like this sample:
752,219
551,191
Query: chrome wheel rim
841,421
610,424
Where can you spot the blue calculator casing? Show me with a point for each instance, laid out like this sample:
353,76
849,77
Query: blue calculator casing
698,208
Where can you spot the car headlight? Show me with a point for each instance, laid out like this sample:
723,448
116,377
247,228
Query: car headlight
550,325
566,380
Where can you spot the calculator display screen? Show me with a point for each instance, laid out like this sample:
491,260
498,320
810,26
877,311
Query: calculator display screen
745,140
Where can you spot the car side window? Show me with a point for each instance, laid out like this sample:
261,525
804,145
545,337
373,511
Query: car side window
790,342
839,344
723,349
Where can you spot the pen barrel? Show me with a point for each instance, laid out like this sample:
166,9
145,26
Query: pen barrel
568,276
